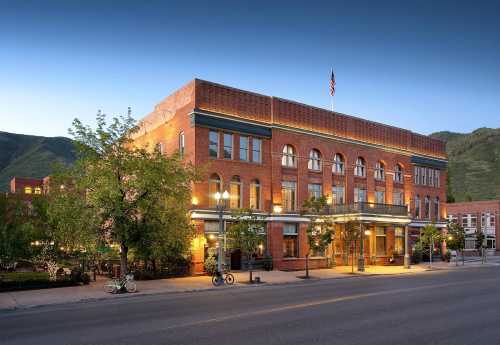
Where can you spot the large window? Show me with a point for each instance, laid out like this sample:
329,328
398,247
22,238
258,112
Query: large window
360,168
314,160
380,241
417,206
290,240
427,209
360,194
314,190
473,221
255,195
398,198
28,190
256,150
398,174
214,186
288,195
465,220
338,195
182,144
243,148
380,196
228,146
235,192
38,190
213,146
379,171
288,158
426,176
399,241
338,164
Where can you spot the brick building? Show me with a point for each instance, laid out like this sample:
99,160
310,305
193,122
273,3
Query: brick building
477,216
271,154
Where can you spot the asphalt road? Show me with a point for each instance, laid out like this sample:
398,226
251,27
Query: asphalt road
443,307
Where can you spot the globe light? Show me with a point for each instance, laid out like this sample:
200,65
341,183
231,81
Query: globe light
225,195
217,196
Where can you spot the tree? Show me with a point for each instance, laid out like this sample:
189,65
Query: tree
246,234
135,192
350,234
429,236
480,239
456,239
320,230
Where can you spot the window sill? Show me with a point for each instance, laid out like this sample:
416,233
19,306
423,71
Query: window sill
234,160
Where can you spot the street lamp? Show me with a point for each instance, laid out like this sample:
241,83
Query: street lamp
221,200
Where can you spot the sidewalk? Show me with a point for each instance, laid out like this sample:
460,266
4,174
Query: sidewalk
95,291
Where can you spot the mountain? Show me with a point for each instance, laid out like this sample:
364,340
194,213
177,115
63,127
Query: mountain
31,156
474,164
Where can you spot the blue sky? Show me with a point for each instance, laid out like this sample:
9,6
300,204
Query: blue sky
422,65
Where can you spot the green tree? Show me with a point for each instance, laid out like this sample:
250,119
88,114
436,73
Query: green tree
320,230
135,192
350,234
428,237
480,245
456,239
246,234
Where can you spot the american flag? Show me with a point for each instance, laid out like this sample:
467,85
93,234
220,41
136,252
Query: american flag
332,84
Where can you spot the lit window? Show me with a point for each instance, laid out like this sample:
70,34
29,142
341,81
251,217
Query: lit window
436,209
338,164
379,171
288,195
28,190
380,196
427,207
417,206
181,144
213,146
290,240
399,241
228,146
380,240
314,190
256,150
255,195
243,148
338,195
398,174
235,192
214,186
398,198
38,190
288,158
314,160
360,169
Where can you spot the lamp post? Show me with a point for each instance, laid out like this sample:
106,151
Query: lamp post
361,259
407,254
221,206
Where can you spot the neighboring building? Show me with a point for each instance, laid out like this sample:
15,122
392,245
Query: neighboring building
26,186
477,216
271,154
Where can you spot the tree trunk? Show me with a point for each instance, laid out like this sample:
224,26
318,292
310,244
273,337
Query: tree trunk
123,260
463,257
250,269
353,249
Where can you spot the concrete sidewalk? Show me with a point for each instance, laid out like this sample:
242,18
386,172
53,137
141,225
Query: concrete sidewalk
95,291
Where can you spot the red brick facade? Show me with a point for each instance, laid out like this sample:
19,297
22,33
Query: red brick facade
201,107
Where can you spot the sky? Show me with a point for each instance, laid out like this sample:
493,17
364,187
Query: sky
422,65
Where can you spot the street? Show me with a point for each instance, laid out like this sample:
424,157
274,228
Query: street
438,307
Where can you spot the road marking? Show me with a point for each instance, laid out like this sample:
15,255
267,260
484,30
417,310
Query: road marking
320,302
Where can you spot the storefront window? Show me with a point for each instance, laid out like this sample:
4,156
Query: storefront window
380,241
399,241
290,240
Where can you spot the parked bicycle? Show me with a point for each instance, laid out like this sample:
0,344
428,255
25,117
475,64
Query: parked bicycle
120,285
224,277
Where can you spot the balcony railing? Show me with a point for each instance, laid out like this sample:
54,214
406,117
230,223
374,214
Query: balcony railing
368,208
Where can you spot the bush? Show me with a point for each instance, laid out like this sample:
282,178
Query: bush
417,253
210,265
267,263
447,256
30,280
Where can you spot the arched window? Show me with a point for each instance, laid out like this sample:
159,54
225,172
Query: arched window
436,208
338,164
181,144
235,192
360,168
427,208
214,186
398,174
288,159
314,160
255,195
379,171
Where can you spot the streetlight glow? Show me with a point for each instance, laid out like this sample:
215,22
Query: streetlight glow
225,195
217,196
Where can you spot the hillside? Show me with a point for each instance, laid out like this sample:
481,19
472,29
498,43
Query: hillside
31,156
474,163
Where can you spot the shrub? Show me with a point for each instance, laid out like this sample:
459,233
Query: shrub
210,265
447,256
416,255
267,263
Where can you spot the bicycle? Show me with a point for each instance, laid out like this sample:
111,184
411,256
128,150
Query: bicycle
224,277
118,285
